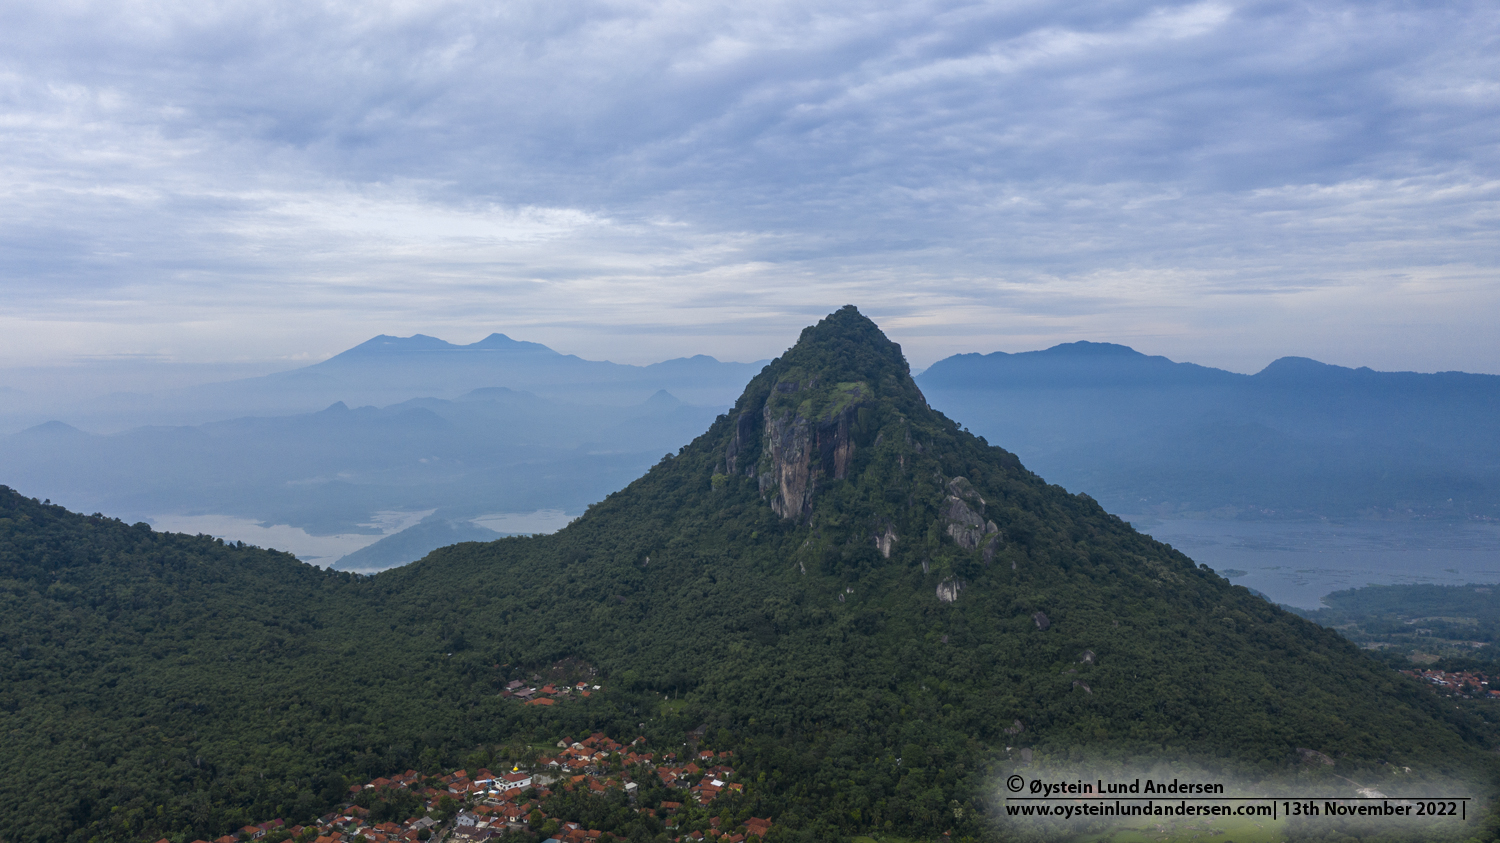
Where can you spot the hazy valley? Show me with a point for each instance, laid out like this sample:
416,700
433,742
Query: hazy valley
328,459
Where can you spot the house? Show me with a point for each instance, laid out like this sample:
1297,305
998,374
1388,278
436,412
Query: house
513,781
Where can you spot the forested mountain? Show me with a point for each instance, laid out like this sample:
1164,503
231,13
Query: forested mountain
1147,436
867,603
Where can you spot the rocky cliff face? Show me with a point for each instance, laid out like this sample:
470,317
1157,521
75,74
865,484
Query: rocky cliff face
806,436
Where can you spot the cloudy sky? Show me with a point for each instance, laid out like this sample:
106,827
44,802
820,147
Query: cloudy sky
269,182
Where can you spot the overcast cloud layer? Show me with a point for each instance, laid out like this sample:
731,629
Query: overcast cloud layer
1217,181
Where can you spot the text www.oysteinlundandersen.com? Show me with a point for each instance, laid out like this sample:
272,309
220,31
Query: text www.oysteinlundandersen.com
1274,810
1139,809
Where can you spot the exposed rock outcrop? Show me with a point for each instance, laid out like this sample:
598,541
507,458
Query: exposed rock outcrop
1040,618
789,446
991,543
963,511
799,451
964,524
1312,756
737,456
885,541
948,590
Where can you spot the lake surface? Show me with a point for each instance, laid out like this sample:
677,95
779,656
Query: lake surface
323,550
319,550
1297,562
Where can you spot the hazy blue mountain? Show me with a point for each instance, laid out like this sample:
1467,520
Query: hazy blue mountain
387,370
1299,438
382,371
413,543
489,450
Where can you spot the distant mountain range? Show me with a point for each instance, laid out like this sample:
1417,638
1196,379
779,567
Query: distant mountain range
392,424
388,370
1146,435
488,451
420,425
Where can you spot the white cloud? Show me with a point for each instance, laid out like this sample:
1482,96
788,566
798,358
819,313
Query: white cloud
709,176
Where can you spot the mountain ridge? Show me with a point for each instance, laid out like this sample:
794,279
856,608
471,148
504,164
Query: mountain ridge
1298,439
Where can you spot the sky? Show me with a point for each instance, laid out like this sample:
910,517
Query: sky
259,185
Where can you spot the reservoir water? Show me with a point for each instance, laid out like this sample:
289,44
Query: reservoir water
1298,562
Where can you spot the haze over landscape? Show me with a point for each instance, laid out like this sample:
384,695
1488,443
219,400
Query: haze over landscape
883,399
394,447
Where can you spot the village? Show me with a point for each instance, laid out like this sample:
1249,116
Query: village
466,806
547,694
1465,684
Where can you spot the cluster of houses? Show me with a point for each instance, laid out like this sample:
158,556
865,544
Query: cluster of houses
487,804
548,694
1455,683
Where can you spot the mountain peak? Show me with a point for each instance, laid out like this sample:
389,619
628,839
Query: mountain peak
839,520
1085,348
842,354
846,343
812,416
661,399
1303,368
52,428
500,342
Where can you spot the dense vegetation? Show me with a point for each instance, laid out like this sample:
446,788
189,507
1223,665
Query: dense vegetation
158,683
1453,627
